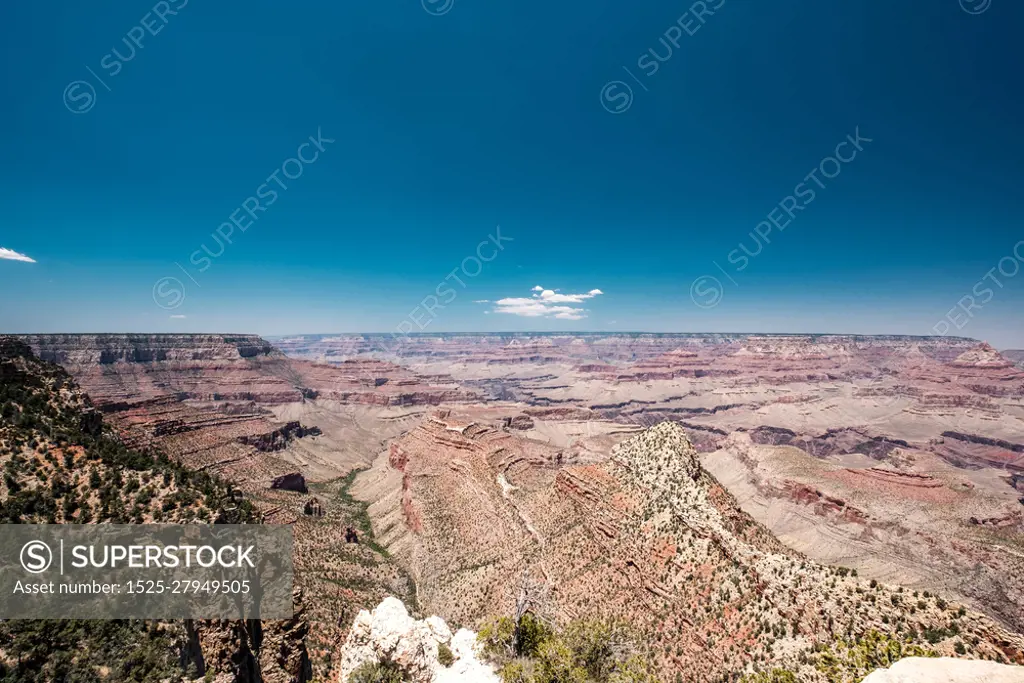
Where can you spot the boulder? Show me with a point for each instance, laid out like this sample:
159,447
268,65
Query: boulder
294,481
390,634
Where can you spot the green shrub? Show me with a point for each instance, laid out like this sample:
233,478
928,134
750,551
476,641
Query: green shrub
445,655
531,636
853,660
592,650
377,672
496,639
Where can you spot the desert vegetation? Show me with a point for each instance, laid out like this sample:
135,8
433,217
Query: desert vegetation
62,464
588,650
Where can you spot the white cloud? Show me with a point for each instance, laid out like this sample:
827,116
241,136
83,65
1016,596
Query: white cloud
14,256
546,303
177,317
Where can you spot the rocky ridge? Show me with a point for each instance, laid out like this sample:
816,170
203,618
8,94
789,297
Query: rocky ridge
648,536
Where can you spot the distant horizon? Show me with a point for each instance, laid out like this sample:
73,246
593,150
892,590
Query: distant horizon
510,333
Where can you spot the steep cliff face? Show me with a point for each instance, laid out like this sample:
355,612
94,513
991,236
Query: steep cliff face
202,367
104,349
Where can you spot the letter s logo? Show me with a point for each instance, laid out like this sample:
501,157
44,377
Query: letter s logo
36,557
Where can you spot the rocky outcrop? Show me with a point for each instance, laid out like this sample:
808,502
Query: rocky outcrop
389,634
1009,520
313,508
973,438
772,436
971,451
107,349
293,481
982,356
832,442
279,439
823,504
946,670
252,651
520,422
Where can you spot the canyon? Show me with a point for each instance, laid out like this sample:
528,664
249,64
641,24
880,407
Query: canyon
634,473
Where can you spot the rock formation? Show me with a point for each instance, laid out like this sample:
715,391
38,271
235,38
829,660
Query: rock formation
279,439
522,422
293,481
389,634
313,508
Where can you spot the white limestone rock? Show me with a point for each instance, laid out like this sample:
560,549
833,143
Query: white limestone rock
946,670
390,634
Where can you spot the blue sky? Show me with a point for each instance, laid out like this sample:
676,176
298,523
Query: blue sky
449,119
